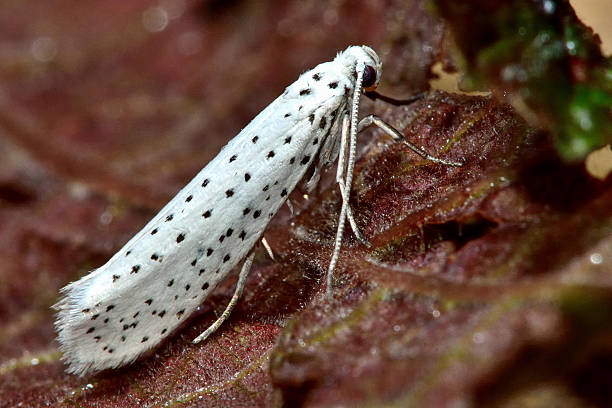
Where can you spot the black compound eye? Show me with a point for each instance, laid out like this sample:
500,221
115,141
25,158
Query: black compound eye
369,76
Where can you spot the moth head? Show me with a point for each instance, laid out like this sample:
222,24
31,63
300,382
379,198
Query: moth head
372,69
363,58
366,61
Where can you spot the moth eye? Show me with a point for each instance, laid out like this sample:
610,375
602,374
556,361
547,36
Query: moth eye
369,76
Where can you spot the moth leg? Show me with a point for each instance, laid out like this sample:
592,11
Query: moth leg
290,206
351,219
341,218
246,267
268,248
391,131
344,180
341,182
342,154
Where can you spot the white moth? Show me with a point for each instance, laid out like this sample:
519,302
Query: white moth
151,285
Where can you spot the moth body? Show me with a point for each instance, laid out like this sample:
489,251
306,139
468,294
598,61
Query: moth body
151,285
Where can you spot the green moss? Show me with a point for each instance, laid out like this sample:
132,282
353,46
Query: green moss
544,56
587,125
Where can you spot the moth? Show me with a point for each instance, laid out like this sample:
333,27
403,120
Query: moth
150,286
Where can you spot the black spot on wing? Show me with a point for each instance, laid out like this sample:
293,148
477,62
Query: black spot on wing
322,123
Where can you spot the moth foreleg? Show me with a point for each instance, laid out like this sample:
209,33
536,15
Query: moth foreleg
340,179
351,219
391,131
